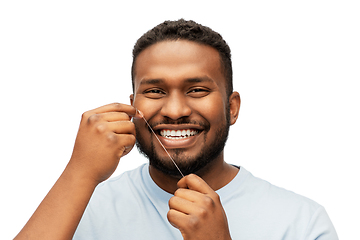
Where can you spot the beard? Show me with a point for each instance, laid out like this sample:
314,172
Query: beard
187,164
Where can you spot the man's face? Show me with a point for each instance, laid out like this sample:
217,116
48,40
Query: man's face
180,88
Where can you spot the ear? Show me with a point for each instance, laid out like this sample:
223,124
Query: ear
234,102
131,99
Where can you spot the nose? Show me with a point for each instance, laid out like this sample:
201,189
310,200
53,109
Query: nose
175,106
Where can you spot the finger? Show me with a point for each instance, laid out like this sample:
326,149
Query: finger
189,195
121,143
113,116
195,183
182,205
125,143
176,218
115,107
199,201
138,114
118,127
121,127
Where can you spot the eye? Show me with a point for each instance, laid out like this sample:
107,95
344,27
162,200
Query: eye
198,92
154,93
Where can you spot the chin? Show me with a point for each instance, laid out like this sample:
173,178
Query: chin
187,165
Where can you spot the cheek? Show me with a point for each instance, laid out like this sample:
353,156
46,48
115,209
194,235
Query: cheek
146,106
212,108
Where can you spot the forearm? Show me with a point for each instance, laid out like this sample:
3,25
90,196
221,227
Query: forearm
105,134
59,213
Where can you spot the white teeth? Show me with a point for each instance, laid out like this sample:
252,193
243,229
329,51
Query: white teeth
178,134
183,132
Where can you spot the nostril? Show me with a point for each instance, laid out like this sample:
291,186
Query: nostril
176,113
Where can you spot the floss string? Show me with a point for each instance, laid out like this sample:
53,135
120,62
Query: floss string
160,142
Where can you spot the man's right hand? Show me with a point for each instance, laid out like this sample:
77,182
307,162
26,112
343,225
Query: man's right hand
105,135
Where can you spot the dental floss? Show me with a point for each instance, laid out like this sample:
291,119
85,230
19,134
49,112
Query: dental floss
160,142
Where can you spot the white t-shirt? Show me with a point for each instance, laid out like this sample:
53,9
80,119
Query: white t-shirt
132,206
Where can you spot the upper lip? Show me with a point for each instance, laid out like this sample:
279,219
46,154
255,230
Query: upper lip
177,127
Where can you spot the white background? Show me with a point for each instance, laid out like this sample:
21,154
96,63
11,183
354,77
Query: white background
296,65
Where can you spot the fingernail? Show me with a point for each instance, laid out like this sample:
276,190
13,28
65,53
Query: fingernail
141,114
138,114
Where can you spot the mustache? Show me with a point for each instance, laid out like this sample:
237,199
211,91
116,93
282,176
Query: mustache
181,121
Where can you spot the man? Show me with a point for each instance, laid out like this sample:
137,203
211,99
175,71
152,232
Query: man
182,86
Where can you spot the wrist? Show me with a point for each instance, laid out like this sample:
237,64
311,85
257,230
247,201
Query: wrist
75,176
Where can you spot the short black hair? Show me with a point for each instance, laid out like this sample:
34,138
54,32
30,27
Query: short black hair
191,31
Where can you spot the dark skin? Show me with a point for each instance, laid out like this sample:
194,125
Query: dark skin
173,97
163,90
108,133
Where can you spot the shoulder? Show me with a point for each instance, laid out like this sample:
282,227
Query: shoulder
278,197
260,203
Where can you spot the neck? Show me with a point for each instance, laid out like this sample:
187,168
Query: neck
217,174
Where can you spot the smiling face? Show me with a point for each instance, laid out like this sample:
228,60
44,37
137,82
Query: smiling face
180,88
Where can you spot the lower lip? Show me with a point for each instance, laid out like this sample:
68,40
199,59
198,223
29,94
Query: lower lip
179,143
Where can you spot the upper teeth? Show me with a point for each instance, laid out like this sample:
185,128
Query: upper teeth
178,133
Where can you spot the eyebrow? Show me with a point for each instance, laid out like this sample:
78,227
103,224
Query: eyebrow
199,79
151,81
188,80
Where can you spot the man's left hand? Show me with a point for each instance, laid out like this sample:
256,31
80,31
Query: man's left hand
196,210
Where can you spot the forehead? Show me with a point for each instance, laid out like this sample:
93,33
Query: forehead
176,60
